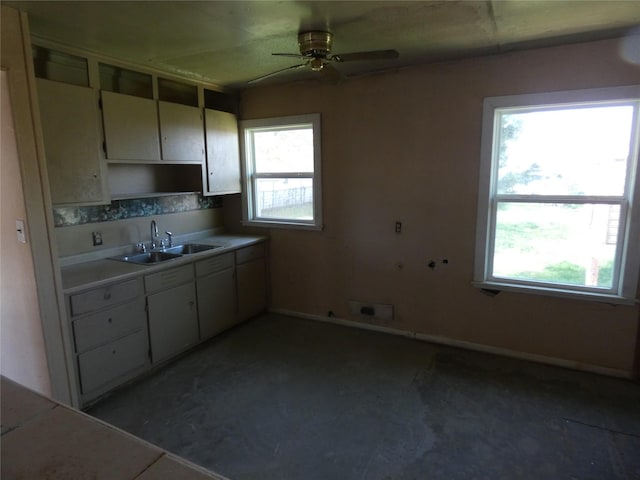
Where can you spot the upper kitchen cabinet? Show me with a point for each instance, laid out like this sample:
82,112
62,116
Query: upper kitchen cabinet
223,150
130,115
130,127
182,130
71,130
181,122
150,134
139,128
223,156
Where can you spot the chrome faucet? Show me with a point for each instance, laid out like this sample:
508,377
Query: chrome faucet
154,234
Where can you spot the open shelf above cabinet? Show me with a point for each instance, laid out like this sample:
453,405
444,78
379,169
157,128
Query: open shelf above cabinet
153,180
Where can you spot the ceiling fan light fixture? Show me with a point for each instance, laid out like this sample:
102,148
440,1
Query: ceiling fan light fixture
317,64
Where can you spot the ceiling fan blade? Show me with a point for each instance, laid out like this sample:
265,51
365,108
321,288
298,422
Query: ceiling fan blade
332,74
292,55
372,55
294,67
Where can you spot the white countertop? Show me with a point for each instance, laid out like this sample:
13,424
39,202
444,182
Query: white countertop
94,273
42,438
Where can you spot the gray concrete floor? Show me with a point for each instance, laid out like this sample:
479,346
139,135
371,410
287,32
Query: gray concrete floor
285,398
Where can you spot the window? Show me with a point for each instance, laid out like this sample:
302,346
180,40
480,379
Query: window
282,171
559,196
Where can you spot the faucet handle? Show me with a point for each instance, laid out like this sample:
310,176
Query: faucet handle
170,237
141,247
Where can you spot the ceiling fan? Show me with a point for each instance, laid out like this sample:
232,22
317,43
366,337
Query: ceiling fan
315,49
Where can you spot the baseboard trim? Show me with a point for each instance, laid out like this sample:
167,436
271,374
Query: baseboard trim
451,342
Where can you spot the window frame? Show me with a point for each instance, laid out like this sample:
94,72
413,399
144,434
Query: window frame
627,260
250,176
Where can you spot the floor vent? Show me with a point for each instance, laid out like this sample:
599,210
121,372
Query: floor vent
371,310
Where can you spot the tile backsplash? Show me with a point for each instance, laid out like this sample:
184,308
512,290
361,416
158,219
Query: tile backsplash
139,207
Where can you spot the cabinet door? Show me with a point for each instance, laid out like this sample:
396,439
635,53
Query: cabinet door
70,127
223,154
252,288
182,130
173,321
130,127
109,362
216,302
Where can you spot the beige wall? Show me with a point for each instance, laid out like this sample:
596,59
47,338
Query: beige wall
405,145
15,59
22,349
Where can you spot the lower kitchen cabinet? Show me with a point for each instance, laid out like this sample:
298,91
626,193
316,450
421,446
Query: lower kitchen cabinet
216,289
125,328
251,278
172,312
106,363
109,328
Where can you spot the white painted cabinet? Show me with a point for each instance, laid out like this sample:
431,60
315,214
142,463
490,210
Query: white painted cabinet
182,132
251,276
109,326
144,130
172,312
121,329
130,127
223,154
70,126
216,289
102,365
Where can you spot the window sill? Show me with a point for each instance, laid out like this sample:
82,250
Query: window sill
281,224
498,287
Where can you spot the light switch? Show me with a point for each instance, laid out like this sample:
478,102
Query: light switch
22,238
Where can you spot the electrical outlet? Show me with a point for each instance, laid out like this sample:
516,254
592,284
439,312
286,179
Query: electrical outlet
97,238
398,227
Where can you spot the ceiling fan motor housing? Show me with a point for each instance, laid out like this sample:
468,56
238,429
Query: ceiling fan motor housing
315,44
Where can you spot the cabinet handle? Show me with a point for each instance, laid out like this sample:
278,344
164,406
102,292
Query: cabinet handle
107,295
110,320
113,352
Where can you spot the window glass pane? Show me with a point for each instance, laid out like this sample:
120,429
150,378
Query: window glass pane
556,243
281,150
284,198
572,151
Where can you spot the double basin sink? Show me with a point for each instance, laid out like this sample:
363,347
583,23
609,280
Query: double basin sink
169,253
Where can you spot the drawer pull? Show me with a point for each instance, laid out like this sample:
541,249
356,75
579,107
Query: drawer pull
110,320
113,352
107,295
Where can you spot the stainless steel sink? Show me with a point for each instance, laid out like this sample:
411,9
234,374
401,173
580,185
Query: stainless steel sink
189,248
148,258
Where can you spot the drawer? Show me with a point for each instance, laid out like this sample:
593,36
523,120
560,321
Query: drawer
105,364
168,278
250,253
105,296
105,326
215,264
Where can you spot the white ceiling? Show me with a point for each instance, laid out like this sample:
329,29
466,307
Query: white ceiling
230,42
